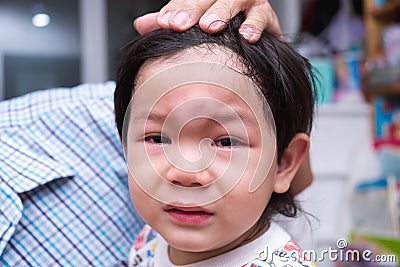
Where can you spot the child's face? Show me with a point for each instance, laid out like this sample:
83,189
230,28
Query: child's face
226,222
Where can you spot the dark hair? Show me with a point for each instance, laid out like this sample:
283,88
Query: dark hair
283,75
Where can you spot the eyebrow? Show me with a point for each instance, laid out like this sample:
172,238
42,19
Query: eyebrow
153,116
247,120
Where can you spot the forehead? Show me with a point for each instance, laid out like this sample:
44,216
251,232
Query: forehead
198,94
187,78
209,53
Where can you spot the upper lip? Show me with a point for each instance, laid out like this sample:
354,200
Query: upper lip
186,208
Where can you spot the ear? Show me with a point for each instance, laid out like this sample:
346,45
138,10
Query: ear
290,162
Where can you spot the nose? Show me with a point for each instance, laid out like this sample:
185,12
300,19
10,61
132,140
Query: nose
190,160
188,178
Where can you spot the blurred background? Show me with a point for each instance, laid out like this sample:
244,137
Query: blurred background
354,46
54,43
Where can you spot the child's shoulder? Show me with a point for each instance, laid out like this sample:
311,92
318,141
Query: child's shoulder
146,235
144,247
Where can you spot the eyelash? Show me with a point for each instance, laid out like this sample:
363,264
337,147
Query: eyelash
157,139
232,142
161,140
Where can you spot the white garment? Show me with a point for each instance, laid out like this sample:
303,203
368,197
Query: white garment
273,248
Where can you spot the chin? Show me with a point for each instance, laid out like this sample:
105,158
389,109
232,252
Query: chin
193,248
190,244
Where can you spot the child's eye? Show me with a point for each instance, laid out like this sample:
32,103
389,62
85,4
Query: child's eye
228,142
157,139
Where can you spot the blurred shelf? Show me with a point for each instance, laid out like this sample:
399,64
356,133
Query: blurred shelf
391,90
389,11
376,19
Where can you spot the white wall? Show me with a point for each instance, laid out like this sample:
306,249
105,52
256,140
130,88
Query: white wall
2,93
94,60
290,15
78,29
19,36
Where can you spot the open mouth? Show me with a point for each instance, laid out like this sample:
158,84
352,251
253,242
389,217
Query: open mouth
189,215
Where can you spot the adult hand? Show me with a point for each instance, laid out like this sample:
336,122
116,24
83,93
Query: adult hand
212,16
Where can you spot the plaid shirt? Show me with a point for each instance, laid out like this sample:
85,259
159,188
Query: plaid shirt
63,181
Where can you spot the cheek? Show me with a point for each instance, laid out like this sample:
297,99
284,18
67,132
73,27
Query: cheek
245,206
251,204
143,203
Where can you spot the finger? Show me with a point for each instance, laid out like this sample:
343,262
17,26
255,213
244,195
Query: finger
146,23
180,15
218,15
259,18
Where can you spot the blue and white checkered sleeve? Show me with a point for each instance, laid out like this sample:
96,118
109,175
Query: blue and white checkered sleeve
27,108
64,194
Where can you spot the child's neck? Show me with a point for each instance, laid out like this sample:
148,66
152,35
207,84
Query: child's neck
182,257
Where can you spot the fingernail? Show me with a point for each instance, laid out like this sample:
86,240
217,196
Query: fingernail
134,23
181,18
213,21
247,32
165,18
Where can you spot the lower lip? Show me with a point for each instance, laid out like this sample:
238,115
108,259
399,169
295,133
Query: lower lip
189,217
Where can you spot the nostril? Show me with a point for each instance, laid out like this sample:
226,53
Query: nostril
195,184
187,185
177,183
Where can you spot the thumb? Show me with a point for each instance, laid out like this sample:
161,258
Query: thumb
146,23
